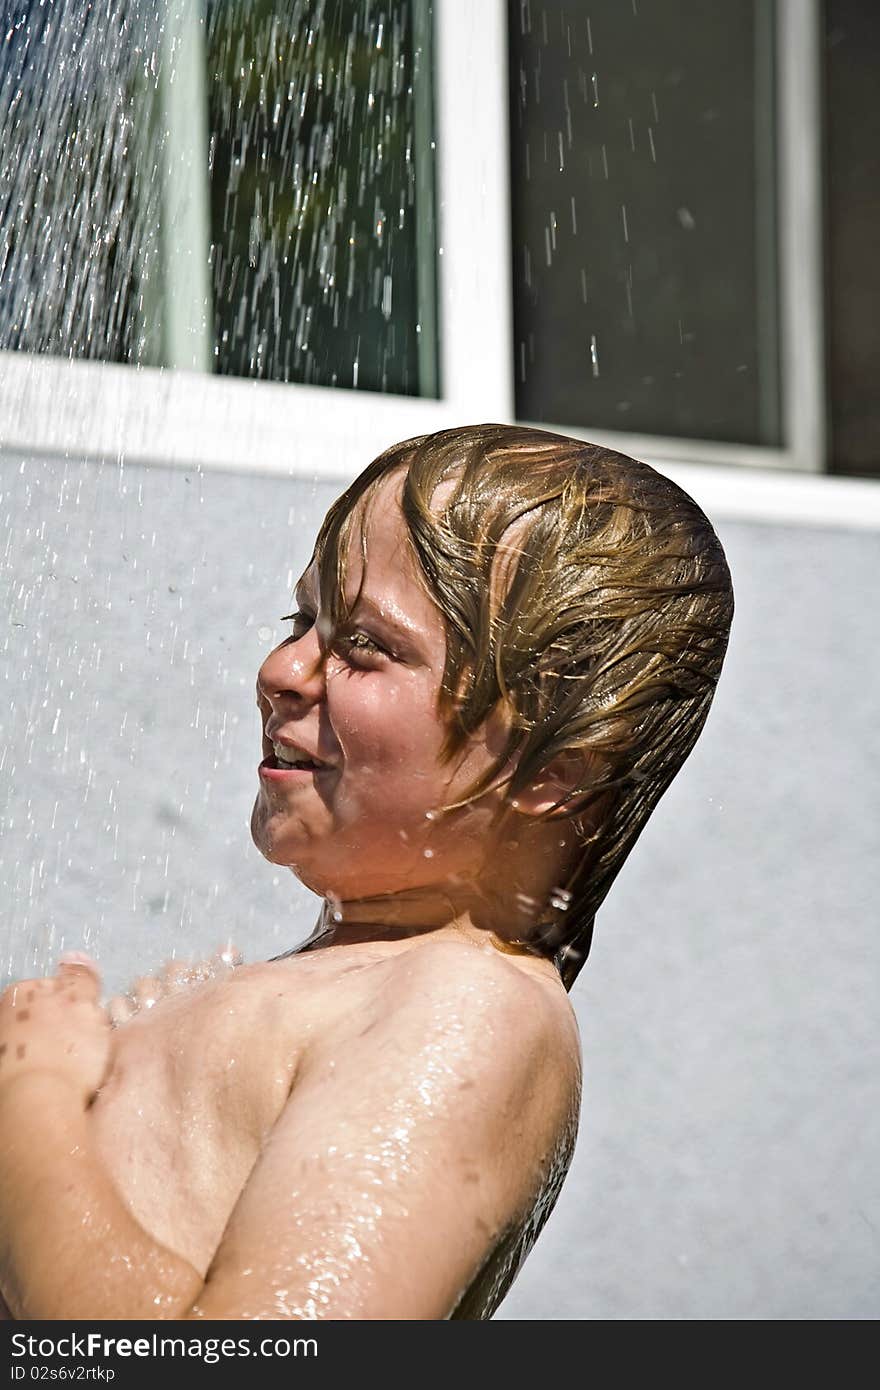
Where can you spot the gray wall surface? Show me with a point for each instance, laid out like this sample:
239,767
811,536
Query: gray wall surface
727,1165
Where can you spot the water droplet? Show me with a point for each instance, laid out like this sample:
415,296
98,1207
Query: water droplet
594,355
560,899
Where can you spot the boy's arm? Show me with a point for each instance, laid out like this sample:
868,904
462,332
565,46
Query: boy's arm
405,1153
69,1247
399,1161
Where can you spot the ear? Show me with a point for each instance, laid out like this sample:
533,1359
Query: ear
555,781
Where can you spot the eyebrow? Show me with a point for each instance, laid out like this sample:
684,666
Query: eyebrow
394,621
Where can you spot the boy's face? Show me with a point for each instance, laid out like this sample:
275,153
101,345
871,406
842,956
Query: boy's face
362,824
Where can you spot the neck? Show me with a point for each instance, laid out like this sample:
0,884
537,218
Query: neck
417,913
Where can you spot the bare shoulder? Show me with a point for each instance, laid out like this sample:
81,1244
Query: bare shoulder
424,1140
484,975
510,1031
480,980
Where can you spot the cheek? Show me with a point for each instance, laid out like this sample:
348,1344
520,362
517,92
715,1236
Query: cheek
384,726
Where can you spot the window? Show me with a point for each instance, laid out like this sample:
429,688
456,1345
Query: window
321,193
631,238
79,207
246,190
644,217
852,235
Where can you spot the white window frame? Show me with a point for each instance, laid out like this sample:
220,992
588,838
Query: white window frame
189,419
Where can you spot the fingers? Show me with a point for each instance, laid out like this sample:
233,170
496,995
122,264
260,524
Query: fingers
146,991
76,967
175,975
79,958
120,1009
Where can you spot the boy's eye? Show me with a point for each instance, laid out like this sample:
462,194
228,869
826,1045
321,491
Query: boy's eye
348,643
301,621
358,643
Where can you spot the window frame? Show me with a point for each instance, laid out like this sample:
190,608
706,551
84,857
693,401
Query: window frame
799,218
181,418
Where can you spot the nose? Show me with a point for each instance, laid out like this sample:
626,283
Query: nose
294,674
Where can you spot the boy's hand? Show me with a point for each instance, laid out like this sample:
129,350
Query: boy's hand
57,1025
174,975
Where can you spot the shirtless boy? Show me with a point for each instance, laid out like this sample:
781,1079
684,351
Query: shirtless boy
505,646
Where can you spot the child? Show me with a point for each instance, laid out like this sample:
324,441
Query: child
505,646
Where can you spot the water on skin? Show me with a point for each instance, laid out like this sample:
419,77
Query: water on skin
197,1119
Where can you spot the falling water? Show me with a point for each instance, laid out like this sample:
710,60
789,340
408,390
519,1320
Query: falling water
243,187
313,193
276,151
79,196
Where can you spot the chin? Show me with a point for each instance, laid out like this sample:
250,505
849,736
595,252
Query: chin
275,851
271,846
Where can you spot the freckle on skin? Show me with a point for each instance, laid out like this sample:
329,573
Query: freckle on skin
2,1049
22,1016
20,1051
29,997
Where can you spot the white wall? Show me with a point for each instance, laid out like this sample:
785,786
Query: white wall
728,1154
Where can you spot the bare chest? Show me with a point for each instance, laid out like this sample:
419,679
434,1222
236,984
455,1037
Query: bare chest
198,1083
196,1086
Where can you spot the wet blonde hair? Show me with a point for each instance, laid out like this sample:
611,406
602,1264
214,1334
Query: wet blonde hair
607,637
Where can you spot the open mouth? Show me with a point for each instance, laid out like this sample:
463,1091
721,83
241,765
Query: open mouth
295,765
283,763
286,758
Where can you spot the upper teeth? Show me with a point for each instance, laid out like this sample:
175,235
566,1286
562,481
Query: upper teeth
291,756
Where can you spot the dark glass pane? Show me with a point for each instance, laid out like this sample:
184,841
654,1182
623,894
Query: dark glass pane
314,192
315,156
643,216
852,122
79,199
